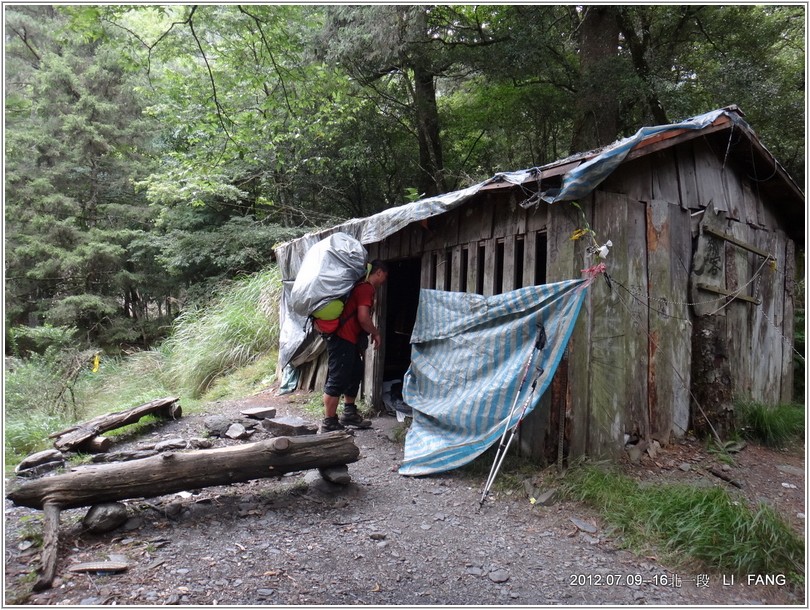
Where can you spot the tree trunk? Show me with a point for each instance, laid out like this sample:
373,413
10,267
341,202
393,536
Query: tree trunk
639,47
712,393
173,472
431,181
597,117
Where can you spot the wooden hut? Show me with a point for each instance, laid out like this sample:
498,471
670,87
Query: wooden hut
697,307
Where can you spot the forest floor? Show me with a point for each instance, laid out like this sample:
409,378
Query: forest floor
386,539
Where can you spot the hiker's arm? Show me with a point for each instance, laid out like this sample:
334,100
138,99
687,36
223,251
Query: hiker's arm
364,317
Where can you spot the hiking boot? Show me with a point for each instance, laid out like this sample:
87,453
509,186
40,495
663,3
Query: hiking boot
354,419
330,424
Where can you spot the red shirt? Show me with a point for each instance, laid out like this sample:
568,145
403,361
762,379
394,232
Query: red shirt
362,294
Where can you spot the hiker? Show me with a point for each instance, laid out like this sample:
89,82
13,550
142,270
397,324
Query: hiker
346,347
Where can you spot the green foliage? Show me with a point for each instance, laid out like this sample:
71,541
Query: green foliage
774,426
24,341
75,141
239,325
703,524
245,380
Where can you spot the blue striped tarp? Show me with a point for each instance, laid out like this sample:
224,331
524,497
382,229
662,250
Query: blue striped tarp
468,358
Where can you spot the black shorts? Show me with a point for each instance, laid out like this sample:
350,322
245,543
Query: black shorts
345,367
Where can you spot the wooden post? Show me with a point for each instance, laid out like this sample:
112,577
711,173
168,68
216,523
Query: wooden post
50,546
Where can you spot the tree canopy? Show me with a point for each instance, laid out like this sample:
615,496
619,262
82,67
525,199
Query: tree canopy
156,151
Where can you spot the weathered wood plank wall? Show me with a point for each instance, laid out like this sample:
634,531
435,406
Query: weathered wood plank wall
627,366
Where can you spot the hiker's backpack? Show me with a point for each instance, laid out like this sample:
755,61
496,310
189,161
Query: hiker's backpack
328,272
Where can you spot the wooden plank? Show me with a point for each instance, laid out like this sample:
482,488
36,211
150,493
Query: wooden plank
669,339
618,339
372,389
710,177
529,258
739,313
389,249
752,207
320,371
74,437
178,471
510,218
687,178
729,293
490,246
633,179
708,265
740,244
788,320
416,241
767,322
472,268
509,268
426,274
455,272
475,221
734,192
537,217
665,185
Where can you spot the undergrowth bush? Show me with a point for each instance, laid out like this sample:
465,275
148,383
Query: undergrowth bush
704,524
33,407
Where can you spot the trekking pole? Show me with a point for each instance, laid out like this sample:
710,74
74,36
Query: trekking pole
500,454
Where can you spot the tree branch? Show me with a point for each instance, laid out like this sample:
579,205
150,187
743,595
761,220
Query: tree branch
24,37
272,57
217,105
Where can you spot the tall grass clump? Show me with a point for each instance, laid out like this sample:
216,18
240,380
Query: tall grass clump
40,386
706,525
772,426
240,324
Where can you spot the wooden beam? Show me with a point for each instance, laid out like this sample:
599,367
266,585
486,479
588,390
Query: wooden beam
727,293
737,242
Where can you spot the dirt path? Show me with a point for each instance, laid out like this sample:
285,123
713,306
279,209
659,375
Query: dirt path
384,539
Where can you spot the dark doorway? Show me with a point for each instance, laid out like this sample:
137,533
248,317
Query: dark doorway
402,301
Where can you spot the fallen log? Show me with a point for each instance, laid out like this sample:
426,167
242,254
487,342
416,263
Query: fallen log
174,472
83,433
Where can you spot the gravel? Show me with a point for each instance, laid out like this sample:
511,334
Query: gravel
383,539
